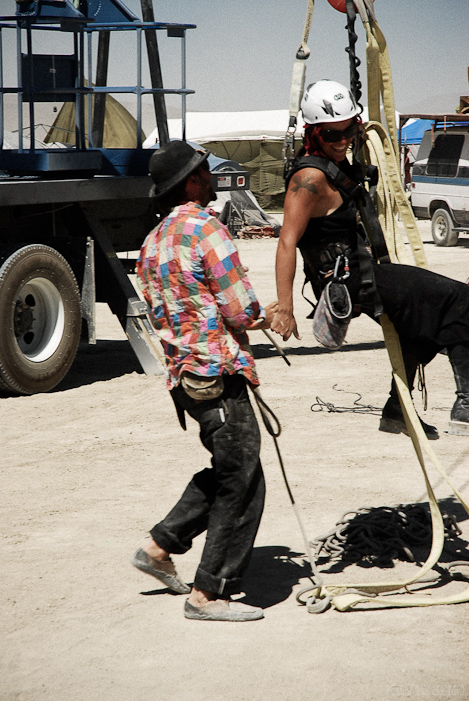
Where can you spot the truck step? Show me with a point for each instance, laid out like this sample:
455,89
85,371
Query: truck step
458,428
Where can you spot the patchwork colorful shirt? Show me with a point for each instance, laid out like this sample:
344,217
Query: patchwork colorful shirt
201,300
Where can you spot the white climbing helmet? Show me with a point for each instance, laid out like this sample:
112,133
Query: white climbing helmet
328,101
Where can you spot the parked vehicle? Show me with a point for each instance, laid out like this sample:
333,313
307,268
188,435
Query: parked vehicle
440,182
66,211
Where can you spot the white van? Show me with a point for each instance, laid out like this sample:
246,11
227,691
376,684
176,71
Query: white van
440,183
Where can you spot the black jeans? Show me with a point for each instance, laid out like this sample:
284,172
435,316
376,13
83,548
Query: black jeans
227,499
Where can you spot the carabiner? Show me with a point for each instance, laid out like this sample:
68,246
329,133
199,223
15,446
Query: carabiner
346,274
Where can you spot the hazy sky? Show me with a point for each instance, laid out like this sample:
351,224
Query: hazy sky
240,57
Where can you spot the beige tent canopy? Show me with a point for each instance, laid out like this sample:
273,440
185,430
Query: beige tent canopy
120,127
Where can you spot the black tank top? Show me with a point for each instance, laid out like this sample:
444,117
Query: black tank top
327,237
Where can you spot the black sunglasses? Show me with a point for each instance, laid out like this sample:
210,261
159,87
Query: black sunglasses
331,136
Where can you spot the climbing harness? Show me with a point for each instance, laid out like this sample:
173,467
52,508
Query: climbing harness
356,190
351,188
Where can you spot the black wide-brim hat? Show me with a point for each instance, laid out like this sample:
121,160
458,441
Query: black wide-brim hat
172,164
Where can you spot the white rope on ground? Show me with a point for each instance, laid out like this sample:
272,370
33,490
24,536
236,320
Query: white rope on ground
343,600
384,152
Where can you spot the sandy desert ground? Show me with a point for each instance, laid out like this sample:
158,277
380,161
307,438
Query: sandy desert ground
88,468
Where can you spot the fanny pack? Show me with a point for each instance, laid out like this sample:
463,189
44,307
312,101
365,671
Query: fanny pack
202,388
332,315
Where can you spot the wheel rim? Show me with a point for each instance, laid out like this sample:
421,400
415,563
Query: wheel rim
441,229
39,319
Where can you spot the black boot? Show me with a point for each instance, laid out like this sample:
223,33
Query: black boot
392,418
459,359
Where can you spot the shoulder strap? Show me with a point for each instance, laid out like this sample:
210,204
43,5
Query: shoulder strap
351,189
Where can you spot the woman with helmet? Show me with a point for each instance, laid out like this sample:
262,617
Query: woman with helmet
430,312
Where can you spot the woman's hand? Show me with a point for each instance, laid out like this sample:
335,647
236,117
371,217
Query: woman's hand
284,323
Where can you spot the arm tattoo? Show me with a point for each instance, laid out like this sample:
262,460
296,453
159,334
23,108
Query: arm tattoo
304,182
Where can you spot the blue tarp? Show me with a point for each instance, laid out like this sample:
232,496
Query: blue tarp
413,133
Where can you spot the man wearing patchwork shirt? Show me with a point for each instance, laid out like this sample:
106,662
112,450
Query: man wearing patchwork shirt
202,306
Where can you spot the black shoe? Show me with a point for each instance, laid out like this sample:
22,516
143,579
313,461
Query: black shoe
392,421
460,410
459,421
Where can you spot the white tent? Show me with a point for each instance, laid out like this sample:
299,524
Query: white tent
254,139
204,126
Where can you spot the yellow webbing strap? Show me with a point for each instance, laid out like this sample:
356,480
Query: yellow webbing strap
299,67
307,28
391,197
381,148
380,79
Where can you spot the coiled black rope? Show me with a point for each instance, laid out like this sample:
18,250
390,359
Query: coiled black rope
380,535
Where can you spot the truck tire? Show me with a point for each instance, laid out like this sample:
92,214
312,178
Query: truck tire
40,317
443,232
